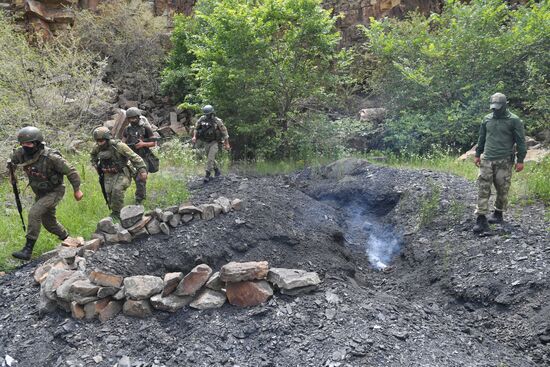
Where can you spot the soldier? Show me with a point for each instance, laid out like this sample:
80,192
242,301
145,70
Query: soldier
45,169
140,138
116,163
498,133
210,131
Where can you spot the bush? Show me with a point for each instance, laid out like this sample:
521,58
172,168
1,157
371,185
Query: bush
436,73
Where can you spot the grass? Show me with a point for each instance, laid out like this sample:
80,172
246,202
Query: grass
164,188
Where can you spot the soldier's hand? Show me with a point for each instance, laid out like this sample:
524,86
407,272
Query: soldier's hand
143,176
477,161
139,144
226,146
78,195
193,140
519,167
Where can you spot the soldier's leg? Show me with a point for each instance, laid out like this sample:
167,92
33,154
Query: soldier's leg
141,189
211,155
49,219
34,223
484,182
502,178
119,184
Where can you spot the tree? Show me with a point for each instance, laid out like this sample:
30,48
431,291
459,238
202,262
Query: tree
257,62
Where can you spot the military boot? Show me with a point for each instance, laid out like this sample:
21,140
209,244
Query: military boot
495,217
217,172
26,252
206,177
481,224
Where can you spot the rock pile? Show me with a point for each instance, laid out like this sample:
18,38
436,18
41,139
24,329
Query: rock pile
67,283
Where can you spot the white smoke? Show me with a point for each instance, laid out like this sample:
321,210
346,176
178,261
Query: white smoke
382,246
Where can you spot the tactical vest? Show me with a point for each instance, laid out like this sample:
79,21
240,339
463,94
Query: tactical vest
110,160
207,130
43,177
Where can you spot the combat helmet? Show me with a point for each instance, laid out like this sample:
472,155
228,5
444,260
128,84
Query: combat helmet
133,112
498,100
208,109
101,132
29,134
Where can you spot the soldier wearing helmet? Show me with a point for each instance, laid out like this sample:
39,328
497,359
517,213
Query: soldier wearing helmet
117,163
45,168
140,138
210,132
495,157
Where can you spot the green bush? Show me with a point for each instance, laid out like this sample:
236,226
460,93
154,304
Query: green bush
436,73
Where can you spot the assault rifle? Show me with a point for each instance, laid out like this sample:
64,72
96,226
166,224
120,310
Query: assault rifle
102,184
13,179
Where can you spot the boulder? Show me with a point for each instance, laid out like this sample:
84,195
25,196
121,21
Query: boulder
106,279
249,293
142,286
292,278
237,272
134,308
64,290
207,211
153,227
207,299
106,225
171,281
170,303
131,215
189,209
193,281
166,216
83,291
55,278
110,310
225,203
215,282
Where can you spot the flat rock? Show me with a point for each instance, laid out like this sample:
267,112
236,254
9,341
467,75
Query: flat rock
248,293
106,279
238,272
189,209
171,281
142,286
193,281
208,299
131,215
292,278
136,228
135,308
215,282
110,310
170,303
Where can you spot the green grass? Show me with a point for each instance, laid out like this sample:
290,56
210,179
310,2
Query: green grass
164,188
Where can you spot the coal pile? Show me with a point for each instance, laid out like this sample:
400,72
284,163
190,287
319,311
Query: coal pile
445,297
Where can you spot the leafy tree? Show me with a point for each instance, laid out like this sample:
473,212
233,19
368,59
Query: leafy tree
436,73
257,62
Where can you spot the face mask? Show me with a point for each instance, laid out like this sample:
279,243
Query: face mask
499,112
30,150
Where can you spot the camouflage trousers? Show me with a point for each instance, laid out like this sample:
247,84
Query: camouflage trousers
210,149
42,212
498,173
141,189
116,185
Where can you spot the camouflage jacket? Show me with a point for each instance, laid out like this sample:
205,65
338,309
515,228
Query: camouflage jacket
117,157
211,129
45,169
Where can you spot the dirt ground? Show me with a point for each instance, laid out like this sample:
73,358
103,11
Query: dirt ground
447,297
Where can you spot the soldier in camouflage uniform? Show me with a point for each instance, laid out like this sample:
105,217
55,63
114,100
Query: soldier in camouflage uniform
117,163
140,138
210,132
45,169
495,157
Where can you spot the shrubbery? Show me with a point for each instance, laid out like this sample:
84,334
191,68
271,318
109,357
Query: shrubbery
436,73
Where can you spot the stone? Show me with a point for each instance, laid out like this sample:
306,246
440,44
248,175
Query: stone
55,278
124,236
373,114
131,215
111,238
207,211
225,203
248,293
45,305
215,282
120,295
68,255
142,233
171,281
141,308
193,281
165,217
77,311
170,303
164,228
142,286
106,225
106,279
292,278
186,218
139,225
299,290
236,204
208,299
92,309
64,290
41,273
91,245
110,311
189,209
105,292
50,254
153,227
238,272
175,220
83,291
173,209
218,209
73,242
99,236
